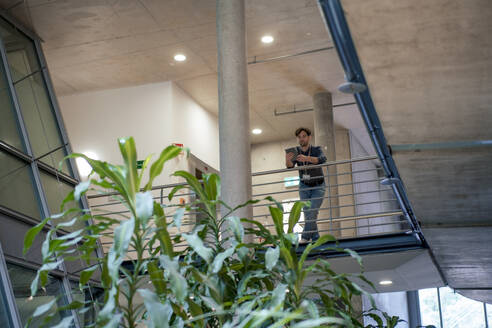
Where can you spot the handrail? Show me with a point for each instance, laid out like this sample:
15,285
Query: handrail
171,185
349,201
306,167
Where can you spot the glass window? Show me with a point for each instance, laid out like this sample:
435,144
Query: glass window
16,186
429,307
21,52
55,191
92,298
40,121
459,311
9,131
21,279
5,319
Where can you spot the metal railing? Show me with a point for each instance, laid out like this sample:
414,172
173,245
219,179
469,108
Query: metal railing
353,204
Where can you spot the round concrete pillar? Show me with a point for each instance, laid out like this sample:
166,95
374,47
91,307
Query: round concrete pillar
234,134
324,133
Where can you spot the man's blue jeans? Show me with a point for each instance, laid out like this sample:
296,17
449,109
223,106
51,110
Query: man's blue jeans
315,196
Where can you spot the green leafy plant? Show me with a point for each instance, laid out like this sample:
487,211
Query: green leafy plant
218,280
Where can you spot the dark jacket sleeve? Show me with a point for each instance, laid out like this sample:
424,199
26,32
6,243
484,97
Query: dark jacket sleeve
321,157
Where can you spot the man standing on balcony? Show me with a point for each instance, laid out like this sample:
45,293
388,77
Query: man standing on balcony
311,181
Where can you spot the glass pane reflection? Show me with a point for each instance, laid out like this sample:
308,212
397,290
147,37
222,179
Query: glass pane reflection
21,279
429,307
459,311
16,186
55,191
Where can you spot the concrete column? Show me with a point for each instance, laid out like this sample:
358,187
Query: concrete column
324,133
234,134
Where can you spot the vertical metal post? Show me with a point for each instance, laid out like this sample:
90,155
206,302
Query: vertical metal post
440,307
13,95
55,107
414,317
328,187
10,298
485,314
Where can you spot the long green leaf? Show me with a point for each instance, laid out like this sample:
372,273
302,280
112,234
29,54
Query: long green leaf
65,323
159,313
157,277
277,217
179,285
80,189
162,232
129,154
42,275
314,323
197,188
236,227
211,183
271,257
43,309
144,166
122,237
144,205
219,259
322,240
295,214
86,275
31,235
196,243
156,168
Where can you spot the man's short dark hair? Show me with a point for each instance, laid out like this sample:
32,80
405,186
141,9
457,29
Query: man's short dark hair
299,130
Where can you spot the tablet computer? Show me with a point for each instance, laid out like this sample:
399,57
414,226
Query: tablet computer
292,150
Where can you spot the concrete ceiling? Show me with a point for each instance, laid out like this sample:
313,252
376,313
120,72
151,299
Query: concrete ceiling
94,45
429,69
409,270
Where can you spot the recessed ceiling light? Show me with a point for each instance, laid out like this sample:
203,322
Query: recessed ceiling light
179,57
386,282
256,131
267,39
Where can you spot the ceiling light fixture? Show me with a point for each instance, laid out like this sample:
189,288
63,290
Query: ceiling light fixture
179,57
267,39
352,87
386,282
389,181
256,131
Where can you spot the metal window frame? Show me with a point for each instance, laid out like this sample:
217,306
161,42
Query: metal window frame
35,165
14,317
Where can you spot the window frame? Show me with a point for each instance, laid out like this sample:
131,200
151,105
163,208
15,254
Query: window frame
36,166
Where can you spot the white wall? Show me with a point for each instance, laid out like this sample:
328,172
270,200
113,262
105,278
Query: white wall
156,115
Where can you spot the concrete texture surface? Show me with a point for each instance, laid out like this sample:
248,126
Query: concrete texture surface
429,69
94,45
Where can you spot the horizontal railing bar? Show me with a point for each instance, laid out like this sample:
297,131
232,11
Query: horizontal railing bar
324,175
155,198
171,185
353,217
357,227
306,167
361,217
333,207
348,161
325,178
317,187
